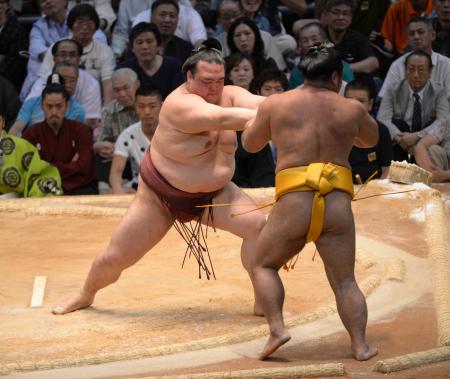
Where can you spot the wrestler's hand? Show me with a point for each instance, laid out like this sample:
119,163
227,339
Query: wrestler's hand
249,123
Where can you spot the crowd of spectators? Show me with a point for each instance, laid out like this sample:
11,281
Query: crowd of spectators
83,80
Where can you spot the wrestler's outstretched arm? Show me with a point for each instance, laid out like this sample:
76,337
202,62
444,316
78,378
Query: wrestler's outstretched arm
257,131
192,114
240,97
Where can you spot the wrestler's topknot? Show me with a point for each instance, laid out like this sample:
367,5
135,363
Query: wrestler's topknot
209,51
320,62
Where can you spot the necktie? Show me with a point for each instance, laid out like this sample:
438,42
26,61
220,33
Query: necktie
417,114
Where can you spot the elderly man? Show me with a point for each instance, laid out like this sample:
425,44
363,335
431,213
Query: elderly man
190,163
315,179
87,90
354,47
165,16
415,107
310,34
51,27
116,117
421,36
97,58
134,140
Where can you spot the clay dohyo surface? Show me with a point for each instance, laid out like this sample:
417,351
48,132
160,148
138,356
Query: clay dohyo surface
156,302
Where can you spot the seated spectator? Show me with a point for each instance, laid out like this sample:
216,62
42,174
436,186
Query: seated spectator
9,102
432,153
97,58
66,144
270,82
152,69
31,112
45,31
396,20
165,17
128,10
309,35
190,25
354,47
415,107
104,10
373,160
252,170
441,24
421,36
116,117
269,20
87,90
135,139
239,70
227,12
245,37
13,47
22,172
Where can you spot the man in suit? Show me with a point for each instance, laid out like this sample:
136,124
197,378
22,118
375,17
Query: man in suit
414,108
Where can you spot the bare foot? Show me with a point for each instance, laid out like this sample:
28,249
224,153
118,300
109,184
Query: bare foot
75,303
365,353
274,342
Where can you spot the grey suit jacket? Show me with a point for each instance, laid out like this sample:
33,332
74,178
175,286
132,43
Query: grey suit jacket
435,107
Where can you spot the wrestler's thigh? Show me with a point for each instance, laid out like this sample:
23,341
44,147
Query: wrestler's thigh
336,245
145,223
229,218
284,234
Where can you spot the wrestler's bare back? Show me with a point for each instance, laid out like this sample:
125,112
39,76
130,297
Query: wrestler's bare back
192,159
324,128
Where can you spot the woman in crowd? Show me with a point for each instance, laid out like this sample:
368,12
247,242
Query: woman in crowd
245,37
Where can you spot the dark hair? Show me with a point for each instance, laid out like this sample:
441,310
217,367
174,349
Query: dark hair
76,43
55,84
83,10
210,51
316,24
359,85
258,49
268,75
320,62
233,60
146,90
144,27
334,3
421,19
420,53
157,3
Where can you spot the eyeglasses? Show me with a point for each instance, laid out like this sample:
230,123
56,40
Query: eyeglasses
87,23
71,54
338,13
